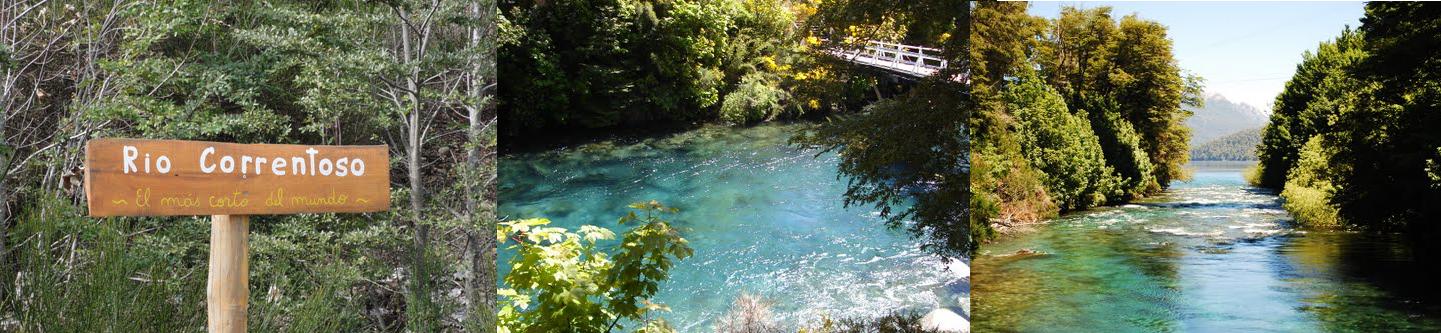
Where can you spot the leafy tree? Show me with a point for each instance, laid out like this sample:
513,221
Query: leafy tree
1126,68
1061,145
1391,133
1006,186
1077,52
1353,137
575,287
1003,40
1293,120
1122,146
754,100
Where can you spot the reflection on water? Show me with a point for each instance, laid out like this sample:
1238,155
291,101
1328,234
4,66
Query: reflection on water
763,217
1212,255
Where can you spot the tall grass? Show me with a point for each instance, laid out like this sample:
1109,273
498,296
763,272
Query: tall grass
81,275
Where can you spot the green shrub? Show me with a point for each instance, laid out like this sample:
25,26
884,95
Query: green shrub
561,282
1310,206
1308,191
756,99
1134,173
1253,174
1059,144
309,272
1006,187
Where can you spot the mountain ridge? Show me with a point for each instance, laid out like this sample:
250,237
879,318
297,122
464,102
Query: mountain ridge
1221,116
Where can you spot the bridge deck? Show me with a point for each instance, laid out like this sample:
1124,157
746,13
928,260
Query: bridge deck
908,60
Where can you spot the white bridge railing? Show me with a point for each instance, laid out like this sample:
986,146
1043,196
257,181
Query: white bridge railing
917,61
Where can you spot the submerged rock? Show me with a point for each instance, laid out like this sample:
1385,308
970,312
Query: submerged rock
1025,253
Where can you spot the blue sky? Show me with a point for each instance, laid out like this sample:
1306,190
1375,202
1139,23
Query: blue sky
1245,50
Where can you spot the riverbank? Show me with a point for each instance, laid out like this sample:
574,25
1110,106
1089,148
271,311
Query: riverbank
1013,226
539,141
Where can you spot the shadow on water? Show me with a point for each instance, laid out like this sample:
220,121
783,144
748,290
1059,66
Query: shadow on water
1385,282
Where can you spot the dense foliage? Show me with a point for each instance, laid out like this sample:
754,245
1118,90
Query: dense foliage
601,64
1060,145
1353,138
575,287
1074,112
1294,120
1239,146
413,75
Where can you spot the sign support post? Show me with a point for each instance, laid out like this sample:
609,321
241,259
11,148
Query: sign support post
227,288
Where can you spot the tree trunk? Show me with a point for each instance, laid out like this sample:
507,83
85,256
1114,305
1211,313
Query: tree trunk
4,224
480,230
414,142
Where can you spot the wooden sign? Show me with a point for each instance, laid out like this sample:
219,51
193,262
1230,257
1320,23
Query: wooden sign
128,177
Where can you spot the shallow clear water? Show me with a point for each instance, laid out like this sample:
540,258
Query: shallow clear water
1212,255
764,218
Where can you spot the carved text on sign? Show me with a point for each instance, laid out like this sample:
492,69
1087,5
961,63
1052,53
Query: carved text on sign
169,177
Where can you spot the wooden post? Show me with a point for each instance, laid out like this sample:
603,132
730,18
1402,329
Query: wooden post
227,289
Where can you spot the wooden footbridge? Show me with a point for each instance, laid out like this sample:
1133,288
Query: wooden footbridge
905,60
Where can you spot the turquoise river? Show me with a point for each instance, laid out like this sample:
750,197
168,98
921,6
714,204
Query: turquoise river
764,218
1210,255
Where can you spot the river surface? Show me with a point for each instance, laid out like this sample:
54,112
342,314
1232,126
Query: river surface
1211,255
763,217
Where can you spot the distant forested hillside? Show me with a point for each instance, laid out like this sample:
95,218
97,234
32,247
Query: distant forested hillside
1238,146
1220,117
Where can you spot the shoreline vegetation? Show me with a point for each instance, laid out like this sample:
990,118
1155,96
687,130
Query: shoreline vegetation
1353,141
1080,111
